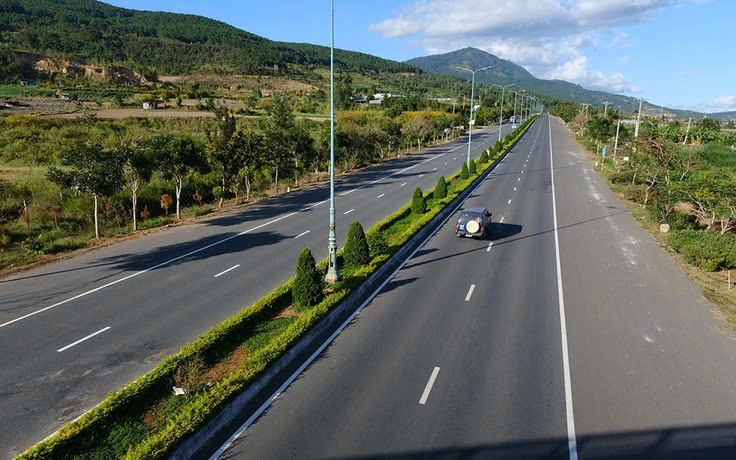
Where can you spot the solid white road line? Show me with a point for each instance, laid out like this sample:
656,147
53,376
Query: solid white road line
571,440
403,184
470,292
490,245
430,384
236,266
82,340
381,195
349,211
302,234
226,445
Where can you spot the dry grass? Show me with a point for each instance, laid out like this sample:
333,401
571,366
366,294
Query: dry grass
227,366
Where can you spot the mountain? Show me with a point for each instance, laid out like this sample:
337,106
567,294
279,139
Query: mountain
92,32
506,72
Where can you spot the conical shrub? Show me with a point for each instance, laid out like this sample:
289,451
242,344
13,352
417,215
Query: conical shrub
473,168
418,203
308,284
356,251
484,156
464,171
440,191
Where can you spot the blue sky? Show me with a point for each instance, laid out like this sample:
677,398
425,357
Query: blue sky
678,53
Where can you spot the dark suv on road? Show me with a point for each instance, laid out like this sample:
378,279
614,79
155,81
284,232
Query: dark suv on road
473,223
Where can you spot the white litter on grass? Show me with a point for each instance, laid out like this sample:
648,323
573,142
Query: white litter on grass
179,391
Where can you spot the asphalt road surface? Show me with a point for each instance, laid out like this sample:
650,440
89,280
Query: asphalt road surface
76,330
568,333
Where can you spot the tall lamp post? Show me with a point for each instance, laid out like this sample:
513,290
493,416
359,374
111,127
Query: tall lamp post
472,94
332,274
500,121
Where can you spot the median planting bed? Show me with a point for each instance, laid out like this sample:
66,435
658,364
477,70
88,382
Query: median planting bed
146,419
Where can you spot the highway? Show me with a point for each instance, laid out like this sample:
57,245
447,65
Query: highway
567,334
73,331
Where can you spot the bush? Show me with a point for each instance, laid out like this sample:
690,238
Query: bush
636,193
418,202
621,177
377,243
440,191
709,251
308,284
484,156
464,171
356,250
473,168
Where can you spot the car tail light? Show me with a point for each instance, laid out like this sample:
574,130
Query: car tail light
482,228
457,227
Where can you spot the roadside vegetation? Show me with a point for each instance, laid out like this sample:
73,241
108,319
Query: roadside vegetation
147,418
681,183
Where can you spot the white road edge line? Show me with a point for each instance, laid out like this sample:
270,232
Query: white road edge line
349,211
381,195
236,266
470,293
430,384
571,440
302,234
490,245
82,339
226,445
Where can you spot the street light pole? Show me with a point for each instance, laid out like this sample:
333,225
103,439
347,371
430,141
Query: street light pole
332,274
500,120
472,94
638,119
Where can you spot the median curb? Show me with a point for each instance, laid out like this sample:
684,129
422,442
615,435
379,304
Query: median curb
226,420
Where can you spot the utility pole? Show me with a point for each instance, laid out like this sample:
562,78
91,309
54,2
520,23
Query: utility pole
332,275
638,118
585,108
472,93
500,121
687,131
615,145
605,111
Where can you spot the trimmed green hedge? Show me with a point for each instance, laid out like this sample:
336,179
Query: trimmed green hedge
709,251
76,438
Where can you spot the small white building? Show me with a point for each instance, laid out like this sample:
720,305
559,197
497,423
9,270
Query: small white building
149,105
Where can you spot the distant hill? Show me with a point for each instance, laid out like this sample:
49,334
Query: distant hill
92,32
506,72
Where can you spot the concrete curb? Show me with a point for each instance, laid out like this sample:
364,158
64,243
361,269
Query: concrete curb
232,410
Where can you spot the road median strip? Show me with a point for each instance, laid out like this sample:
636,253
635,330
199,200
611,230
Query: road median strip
228,366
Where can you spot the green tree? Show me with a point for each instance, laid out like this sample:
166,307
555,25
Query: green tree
137,170
357,251
440,191
223,152
464,171
308,285
484,156
418,202
177,156
91,169
279,127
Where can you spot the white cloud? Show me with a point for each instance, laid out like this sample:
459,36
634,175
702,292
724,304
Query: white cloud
721,104
547,37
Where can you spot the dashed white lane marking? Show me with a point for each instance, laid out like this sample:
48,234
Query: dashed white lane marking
470,292
403,184
430,384
302,234
83,339
238,265
381,195
348,192
490,245
519,179
435,169
349,211
445,163
421,175
501,221
514,188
